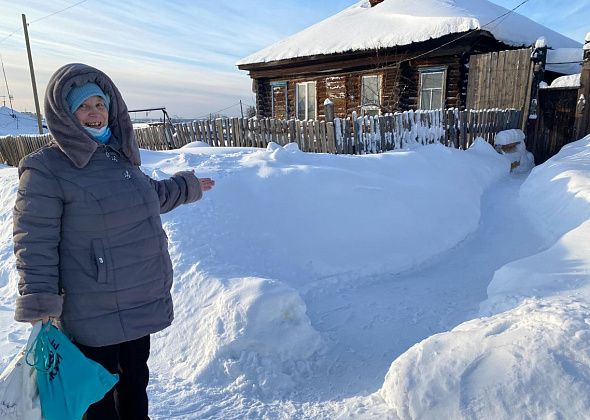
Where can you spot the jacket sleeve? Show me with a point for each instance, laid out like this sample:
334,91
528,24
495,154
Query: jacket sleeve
181,188
36,235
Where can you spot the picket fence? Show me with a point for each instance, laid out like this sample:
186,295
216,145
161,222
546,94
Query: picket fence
353,135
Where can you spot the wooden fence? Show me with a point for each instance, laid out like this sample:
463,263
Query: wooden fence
500,80
554,126
353,135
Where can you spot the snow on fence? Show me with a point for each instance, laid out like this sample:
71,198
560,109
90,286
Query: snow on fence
353,135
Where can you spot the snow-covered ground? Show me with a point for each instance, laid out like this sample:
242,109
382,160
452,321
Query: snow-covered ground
424,283
13,122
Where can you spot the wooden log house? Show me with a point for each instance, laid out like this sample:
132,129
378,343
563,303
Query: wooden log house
428,74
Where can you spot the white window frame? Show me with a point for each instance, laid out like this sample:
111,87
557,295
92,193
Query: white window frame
443,88
372,107
307,85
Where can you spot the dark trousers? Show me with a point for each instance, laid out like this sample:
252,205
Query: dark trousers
128,399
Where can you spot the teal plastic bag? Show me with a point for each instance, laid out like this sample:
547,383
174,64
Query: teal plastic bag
68,381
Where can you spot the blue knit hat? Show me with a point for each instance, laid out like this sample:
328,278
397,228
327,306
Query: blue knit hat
79,94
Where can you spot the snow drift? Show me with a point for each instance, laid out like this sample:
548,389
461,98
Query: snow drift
530,358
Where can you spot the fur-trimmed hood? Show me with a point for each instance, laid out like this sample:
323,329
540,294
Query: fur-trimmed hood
68,133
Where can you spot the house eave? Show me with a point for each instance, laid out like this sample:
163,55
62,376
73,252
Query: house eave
352,60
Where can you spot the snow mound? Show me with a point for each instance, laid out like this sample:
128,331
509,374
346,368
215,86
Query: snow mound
569,81
505,137
556,195
511,144
247,333
530,358
531,362
278,221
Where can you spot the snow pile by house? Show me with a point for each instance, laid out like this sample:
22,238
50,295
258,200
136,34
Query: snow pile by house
530,357
279,222
282,225
511,143
401,22
14,122
569,81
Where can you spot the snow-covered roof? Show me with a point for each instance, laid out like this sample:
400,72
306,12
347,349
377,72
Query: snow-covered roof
402,22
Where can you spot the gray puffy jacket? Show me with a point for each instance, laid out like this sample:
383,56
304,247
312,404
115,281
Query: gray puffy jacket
88,239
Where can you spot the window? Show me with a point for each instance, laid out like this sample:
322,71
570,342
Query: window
371,95
279,100
305,101
432,86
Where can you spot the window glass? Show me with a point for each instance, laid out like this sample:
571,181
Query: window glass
436,101
301,95
431,89
371,94
311,101
370,90
306,101
425,99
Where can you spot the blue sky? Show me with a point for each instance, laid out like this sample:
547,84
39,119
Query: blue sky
182,54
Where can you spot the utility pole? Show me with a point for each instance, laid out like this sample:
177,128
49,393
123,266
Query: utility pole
37,109
582,124
241,109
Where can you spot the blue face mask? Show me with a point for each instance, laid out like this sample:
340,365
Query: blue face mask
101,135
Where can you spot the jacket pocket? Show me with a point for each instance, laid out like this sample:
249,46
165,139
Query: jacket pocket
101,260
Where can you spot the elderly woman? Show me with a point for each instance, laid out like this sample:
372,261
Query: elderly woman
90,249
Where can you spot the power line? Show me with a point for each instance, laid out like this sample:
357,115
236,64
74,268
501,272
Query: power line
43,17
9,35
569,62
59,11
7,90
217,112
464,35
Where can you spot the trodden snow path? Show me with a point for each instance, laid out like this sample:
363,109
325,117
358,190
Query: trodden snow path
369,322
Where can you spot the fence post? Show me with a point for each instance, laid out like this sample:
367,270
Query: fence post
582,124
329,115
329,110
539,58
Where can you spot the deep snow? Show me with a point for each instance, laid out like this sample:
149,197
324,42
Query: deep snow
321,286
14,122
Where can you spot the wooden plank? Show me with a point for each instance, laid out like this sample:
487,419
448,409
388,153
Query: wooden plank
463,129
478,80
220,132
347,149
381,130
314,135
284,132
264,131
500,89
304,137
299,134
330,137
243,124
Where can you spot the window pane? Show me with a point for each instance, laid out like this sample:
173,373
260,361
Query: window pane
301,101
436,99
370,90
425,99
311,101
432,80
